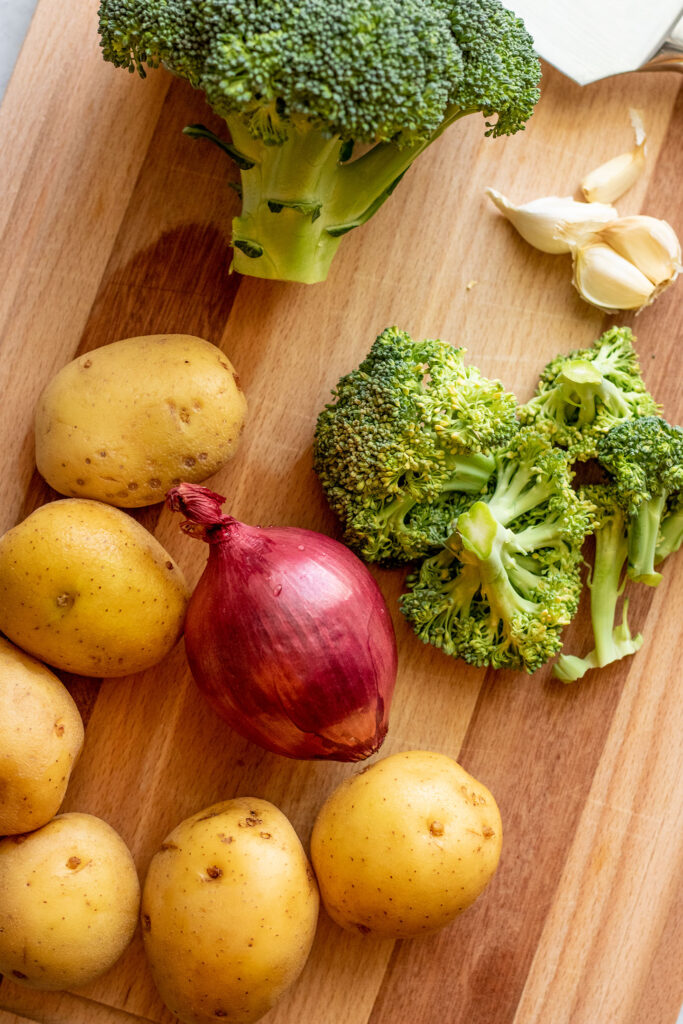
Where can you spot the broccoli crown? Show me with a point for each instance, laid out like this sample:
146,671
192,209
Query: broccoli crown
583,394
359,69
645,460
408,434
508,580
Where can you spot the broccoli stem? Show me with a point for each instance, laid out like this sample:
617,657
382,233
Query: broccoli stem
610,554
486,543
643,533
281,233
470,473
670,535
299,197
362,180
611,642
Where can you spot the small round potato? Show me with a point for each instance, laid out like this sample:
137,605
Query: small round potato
84,587
229,911
125,422
403,846
41,735
69,900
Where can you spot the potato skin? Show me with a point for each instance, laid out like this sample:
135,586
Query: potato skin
87,589
229,911
69,899
41,736
125,422
405,845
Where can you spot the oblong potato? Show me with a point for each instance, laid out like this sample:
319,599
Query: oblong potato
402,847
41,736
86,588
127,421
229,911
69,899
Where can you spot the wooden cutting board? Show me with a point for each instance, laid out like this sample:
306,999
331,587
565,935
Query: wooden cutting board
113,225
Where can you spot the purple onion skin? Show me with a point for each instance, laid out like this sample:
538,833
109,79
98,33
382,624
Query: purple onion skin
290,640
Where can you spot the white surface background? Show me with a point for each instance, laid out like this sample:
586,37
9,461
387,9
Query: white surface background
15,16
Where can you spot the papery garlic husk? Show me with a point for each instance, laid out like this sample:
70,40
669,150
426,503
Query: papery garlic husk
605,279
649,243
609,181
538,220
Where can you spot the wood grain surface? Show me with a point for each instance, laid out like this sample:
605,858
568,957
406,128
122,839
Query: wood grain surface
114,224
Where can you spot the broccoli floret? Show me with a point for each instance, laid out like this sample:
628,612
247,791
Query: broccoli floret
405,445
507,580
299,82
644,458
611,550
583,394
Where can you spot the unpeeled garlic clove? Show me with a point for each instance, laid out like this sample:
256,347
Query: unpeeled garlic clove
609,181
605,279
650,244
538,220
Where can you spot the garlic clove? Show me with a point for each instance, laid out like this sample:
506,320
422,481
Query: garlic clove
609,181
605,279
538,220
650,244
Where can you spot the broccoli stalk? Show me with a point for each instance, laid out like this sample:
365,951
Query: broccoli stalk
671,529
507,580
583,394
312,197
644,457
300,83
611,550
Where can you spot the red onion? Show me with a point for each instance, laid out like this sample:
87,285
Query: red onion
287,635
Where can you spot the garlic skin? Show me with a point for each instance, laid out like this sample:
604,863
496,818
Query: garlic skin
651,244
537,221
609,181
605,279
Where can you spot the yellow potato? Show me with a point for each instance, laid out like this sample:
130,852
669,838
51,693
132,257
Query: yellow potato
69,899
402,847
229,910
127,421
84,587
41,735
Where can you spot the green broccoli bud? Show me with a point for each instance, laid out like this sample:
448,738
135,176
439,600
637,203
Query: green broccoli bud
406,444
585,393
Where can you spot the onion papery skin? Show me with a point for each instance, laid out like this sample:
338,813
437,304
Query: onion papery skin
290,640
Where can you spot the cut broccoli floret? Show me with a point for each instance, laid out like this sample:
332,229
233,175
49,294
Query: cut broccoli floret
406,444
644,458
299,82
583,394
507,580
611,550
